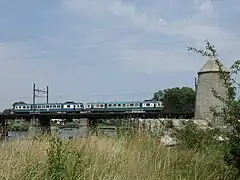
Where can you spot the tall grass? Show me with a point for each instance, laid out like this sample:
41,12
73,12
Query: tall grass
122,157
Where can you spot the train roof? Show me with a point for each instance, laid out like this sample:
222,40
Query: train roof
28,104
114,102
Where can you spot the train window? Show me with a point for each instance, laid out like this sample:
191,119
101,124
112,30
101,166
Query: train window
109,105
119,105
16,107
148,104
24,107
58,106
131,104
68,106
114,105
47,106
123,105
54,106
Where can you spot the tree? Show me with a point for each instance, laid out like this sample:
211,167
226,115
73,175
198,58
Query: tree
177,99
18,102
230,111
7,111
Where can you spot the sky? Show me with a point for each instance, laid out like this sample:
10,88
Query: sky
109,50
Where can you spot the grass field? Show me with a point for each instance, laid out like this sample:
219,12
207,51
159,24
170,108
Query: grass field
104,158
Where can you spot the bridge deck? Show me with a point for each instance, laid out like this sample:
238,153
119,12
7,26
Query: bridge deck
96,115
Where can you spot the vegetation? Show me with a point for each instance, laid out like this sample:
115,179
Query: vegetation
17,125
177,99
125,157
230,112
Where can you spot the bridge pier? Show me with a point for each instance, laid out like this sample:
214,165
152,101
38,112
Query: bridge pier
84,126
45,126
92,124
34,127
39,126
3,129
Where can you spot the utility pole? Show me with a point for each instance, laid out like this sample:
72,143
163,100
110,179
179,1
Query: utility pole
39,91
47,94
34,97
36,94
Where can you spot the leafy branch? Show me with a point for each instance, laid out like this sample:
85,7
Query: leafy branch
231,105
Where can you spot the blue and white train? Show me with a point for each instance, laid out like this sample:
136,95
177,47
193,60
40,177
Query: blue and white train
67,107
91,107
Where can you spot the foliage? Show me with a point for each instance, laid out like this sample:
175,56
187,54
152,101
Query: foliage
7,111
177,99
198,138
18,125
230,112
107,158
18,102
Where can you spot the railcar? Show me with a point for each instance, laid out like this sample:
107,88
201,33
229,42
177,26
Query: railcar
128,106
67,107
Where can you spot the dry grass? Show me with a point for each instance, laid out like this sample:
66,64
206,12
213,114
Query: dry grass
138,157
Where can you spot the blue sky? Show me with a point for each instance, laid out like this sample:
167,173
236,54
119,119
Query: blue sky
93,50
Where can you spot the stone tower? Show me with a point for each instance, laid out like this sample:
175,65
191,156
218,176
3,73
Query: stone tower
208,78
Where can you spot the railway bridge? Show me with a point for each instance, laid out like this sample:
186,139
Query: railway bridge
41,122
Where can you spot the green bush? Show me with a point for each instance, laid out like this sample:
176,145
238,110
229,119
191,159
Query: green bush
18,125
230,111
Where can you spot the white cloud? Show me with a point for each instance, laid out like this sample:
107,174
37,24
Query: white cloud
189,31
91,35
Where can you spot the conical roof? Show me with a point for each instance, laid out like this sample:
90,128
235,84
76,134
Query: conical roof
211,66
